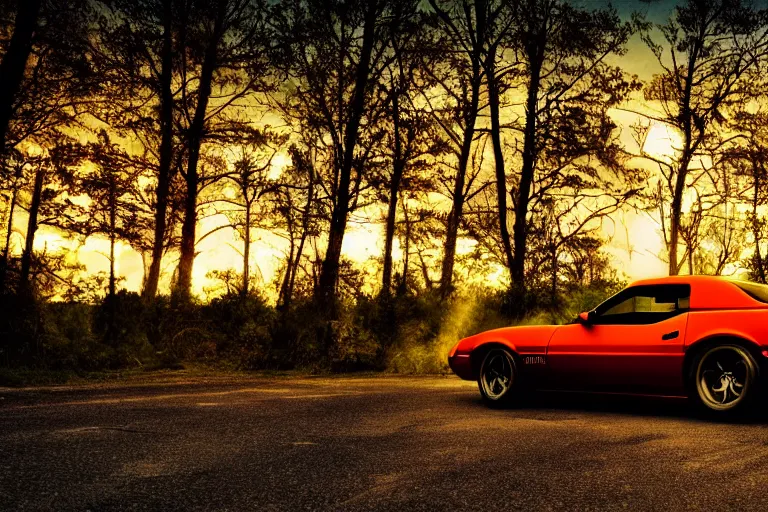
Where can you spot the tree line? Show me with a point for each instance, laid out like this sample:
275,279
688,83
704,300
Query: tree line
481,135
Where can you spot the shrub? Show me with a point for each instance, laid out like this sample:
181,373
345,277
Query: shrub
240,325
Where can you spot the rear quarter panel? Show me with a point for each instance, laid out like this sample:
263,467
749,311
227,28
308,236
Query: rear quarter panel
748,324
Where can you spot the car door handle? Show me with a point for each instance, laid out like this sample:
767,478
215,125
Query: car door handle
670,335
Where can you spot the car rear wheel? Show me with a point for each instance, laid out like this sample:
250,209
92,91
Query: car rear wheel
724,379
498,377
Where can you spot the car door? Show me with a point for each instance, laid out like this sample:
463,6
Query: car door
633,343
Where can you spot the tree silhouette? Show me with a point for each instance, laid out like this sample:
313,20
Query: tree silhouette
108,176
710,48
746,162
48,204
296,218
248,208
568,138
460,77
413,139
224,43
14,61
334,99
134,50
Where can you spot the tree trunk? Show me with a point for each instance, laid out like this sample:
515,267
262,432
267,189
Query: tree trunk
535,58
194,142
112,239
553,284
34,210
329,274
15,62
166,155
282,298
498,153
759,264
389,232
457,208
9,231
394,191
305,220
676,215
402,286
246,249
111,306
682,171
691,270
183,285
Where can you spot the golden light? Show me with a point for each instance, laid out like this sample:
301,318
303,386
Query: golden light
635,252
662,142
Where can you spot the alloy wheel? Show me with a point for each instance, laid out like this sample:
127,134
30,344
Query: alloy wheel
497,375
723,377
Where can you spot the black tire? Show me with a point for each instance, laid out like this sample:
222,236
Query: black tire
498,378
724,380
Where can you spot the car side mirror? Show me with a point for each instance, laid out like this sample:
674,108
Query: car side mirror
586,318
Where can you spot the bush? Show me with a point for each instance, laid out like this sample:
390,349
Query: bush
403,333
21,329
242,326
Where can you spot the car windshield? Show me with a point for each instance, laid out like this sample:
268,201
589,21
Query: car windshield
755,290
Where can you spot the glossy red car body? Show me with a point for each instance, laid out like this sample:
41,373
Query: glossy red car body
648,358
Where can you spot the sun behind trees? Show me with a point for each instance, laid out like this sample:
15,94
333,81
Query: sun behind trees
386,174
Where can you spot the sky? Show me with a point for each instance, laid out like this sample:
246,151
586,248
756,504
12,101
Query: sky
635,243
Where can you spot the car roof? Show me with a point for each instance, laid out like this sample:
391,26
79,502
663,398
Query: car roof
681,280
708,292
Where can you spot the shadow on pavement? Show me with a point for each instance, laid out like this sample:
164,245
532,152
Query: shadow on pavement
634,405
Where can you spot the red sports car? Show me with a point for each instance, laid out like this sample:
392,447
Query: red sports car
696,336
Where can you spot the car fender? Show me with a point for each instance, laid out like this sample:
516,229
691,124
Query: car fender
721,333
743,338
521,340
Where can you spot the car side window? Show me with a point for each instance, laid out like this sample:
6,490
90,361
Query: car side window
641,305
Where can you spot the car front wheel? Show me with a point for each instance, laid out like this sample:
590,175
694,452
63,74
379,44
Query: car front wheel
725,379
498,377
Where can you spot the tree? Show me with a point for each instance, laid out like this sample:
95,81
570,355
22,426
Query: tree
501,20
110,182
224,43
412,138
297,214
746,161
46,62
135,51
460,78
711,45
250,176
334,101
49,204
569,146
14,61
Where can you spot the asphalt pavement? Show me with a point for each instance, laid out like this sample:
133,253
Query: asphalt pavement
373,443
